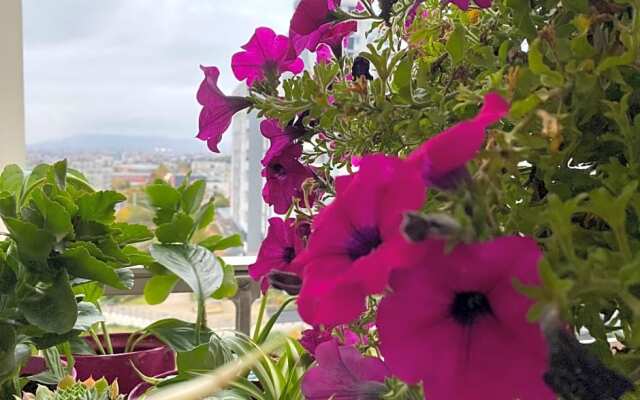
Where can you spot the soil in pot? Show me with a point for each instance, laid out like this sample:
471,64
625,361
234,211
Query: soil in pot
151,357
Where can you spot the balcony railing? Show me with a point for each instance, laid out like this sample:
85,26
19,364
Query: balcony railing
248,290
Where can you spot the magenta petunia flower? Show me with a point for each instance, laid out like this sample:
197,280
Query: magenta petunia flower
443,157
314,337
265,55
218,109
324,54
277,252
454,321
464,4
280,138
356,240
285,176
343,373
311,14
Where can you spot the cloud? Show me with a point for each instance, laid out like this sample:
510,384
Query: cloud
131,66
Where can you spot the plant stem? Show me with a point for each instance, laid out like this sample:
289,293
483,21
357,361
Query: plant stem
96,339
201,321
107,337
263,306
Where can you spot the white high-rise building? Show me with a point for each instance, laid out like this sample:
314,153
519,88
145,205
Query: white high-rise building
248,210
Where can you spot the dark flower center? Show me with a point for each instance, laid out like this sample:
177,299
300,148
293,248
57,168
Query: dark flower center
288,254
467,306
278,170
363,242
360,68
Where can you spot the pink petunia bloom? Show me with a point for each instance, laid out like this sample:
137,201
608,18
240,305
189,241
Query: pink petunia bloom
324,54
356,240
276,255
314,22
311,14
455,322
218,109
280,138
464,4
343,373
285,176
312,338
265,55
443,157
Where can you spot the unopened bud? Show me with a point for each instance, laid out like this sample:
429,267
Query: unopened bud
418,227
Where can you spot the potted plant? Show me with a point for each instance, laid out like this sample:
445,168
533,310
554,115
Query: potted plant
63,246
70,389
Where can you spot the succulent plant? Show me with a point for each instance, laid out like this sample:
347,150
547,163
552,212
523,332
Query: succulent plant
69,389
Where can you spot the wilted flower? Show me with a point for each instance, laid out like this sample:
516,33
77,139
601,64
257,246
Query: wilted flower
343,373
285,176
360,68
461,309
218,109
324,54
443,157
266,55
356,240
277,252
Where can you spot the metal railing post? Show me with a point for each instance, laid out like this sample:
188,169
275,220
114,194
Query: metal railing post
248,293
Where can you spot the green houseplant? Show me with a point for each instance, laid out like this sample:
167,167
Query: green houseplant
63,246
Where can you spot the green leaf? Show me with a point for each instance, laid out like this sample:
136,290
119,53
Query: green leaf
137,256
11,180
8,205
51,306
521,10
99,206
577,6
91,292
158,288
179,335
59,172
205,216
80,263
202,359
177,231
193,196
229,286
55,217
88,315
34,244
195,265
161,195
131,233
8,342
456,44
217,242
266,330
537,65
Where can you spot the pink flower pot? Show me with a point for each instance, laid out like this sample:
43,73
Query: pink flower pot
36,365
142,388
151,357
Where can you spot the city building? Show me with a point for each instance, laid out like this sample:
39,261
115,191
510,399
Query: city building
248,210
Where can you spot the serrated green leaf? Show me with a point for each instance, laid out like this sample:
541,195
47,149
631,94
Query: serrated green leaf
177,231
11,180
56,220
131,233
52,306
163,196
88,315
218,243
80,263
99,206
34,244
456,45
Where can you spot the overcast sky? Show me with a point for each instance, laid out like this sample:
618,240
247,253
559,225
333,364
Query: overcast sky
131,66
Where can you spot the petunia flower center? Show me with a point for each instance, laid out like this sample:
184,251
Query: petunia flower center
468,306
278,170
288,254
363,242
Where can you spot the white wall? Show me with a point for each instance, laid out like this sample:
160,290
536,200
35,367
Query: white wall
12,140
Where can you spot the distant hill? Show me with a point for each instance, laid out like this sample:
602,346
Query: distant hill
121,143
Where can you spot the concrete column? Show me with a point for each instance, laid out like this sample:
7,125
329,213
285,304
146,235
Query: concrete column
12,138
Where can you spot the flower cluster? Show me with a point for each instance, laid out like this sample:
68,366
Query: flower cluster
408,273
